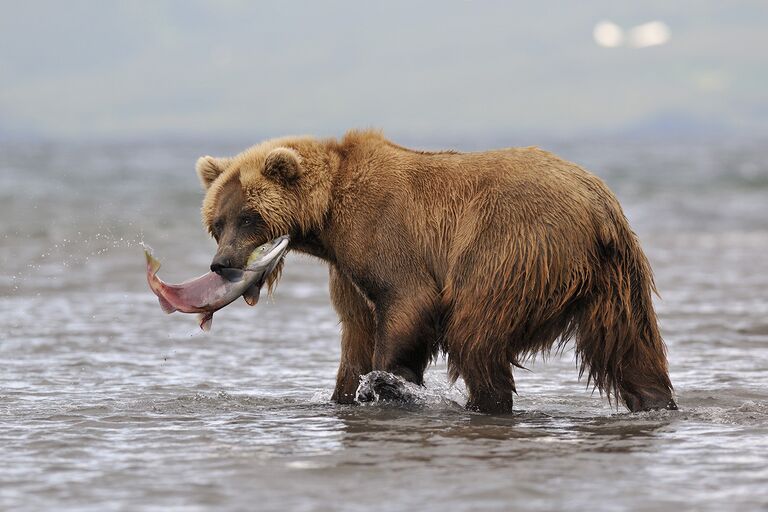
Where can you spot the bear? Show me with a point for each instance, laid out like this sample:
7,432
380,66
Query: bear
486,257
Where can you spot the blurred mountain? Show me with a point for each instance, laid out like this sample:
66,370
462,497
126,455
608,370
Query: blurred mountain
419,70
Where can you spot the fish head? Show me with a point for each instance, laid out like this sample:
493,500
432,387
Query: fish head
263,260
266,256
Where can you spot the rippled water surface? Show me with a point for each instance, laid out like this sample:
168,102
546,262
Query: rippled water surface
108,404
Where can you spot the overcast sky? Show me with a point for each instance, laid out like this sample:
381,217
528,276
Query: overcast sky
141,69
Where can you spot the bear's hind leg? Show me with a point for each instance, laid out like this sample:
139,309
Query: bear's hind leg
624,363
618,340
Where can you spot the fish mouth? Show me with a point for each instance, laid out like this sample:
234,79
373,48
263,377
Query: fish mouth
231,274
265,263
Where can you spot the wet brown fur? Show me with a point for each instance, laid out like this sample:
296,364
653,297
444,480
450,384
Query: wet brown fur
490,257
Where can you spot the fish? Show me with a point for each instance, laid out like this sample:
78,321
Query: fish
210,292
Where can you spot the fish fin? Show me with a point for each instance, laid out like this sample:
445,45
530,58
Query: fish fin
152,263
251,295
166,306
205,319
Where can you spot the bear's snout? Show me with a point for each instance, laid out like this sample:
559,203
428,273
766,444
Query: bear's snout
220,262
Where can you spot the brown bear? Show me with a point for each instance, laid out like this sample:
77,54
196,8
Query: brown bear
488,257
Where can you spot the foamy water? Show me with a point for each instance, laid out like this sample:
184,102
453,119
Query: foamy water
108,404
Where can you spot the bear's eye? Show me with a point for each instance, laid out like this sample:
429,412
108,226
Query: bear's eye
248,220
216,229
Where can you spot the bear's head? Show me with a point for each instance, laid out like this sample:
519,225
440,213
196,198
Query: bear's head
278,187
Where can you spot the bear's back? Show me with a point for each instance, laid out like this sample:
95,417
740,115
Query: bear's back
525,175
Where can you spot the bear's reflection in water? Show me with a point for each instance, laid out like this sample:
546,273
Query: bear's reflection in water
445,433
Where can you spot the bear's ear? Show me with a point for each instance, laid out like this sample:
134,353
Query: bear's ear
282,165
209,168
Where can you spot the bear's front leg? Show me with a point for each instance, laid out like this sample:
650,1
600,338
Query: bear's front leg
358,333
406,333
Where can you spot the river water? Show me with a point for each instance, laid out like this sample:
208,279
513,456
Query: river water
108,404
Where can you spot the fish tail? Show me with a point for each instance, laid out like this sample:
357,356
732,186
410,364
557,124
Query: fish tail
153,265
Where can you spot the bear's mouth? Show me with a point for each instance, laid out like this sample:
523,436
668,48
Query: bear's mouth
264,259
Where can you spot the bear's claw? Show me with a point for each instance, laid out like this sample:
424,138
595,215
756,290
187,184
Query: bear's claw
383,386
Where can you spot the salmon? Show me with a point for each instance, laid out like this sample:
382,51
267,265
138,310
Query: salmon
212,291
